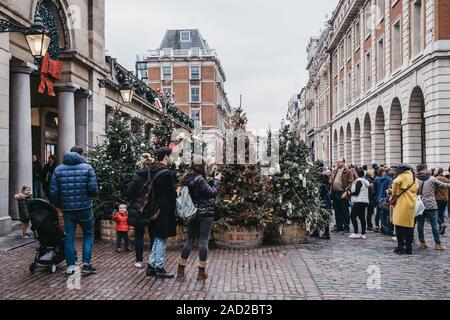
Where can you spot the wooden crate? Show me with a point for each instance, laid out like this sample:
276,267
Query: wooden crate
238,237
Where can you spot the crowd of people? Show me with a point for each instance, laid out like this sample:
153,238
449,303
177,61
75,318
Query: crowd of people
386,200
72,185
380,199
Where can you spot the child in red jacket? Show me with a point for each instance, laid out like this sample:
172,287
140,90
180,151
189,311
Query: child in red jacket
122,227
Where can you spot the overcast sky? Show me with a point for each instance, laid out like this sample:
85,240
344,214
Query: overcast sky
261,43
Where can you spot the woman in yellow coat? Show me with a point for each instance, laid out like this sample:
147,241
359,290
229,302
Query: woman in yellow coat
405,188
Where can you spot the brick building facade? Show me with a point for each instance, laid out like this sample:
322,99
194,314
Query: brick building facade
390,66
184,64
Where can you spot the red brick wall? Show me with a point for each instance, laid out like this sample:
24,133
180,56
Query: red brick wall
208,116
368,43
182,92
181,73
155,86
184,109
154,73
442,19
208,92
396,10
208,73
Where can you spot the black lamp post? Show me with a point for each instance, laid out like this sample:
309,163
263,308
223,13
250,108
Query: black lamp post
37,36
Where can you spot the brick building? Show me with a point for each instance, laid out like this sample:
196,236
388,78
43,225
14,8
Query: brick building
184,64
389,62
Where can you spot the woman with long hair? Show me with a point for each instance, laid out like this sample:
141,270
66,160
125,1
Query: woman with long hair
202,193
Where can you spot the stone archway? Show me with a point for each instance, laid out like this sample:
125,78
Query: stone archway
356,142
379,138
348,144
335,147
366,141
394,134
414,133
341,143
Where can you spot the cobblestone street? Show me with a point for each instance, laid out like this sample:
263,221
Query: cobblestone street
319,270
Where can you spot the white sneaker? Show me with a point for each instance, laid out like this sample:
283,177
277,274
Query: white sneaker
394,239
26,236
363,236
354,236
138,265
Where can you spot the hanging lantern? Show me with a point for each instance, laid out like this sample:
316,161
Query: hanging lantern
38,39
126,91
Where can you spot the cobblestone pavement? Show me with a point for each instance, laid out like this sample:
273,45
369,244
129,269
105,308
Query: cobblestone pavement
320,270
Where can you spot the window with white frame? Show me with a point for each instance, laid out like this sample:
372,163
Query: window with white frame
185,36
380,10
358,80
380,60
357,34
418,27
368,19
195,115
396,46
167,73
349,88
195,94
167,90
195,73
368,72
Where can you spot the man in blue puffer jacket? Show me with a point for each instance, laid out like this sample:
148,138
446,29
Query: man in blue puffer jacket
72,187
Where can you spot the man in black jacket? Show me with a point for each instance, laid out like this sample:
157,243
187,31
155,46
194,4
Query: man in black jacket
165,226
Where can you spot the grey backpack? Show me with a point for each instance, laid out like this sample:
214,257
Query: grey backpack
186,209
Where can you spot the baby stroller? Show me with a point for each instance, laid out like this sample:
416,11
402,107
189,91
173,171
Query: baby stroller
44,224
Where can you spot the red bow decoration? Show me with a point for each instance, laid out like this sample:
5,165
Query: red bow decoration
50,71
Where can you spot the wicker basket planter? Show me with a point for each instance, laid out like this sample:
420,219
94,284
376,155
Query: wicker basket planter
238,237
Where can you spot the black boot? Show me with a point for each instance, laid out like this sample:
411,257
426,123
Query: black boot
399,250
163,274
151,272
315,234
325,236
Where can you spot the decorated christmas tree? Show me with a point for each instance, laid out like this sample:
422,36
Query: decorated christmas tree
115,159
243,196
295,197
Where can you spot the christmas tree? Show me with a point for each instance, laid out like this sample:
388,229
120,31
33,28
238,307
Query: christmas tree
114,160
243,197
296,196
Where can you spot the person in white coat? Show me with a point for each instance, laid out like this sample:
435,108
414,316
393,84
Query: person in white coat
360,200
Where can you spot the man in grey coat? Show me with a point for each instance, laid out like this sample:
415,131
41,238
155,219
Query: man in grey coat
427,189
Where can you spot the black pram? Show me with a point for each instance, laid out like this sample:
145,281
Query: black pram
44,224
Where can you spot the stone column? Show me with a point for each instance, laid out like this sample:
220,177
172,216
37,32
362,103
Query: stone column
379,146
42,121
66,118
81,118
20,141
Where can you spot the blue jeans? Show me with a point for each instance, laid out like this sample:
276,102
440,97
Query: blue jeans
85,219
158,253
432,215
36,189
378,216
442,205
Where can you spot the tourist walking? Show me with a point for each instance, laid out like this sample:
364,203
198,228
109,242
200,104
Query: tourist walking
404,195
341,181
326,199
23,198
369,176
37,173
141,224
165,224
72,188
122,227
428,186
360,200
202,193
47,172
442,200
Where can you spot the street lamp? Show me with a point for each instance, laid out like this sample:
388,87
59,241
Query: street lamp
126,91
37,36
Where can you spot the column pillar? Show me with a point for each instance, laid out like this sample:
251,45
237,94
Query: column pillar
20,141
356,151
81,117
66,118
379,146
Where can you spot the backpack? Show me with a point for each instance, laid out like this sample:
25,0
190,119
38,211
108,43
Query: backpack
145,203
185,206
